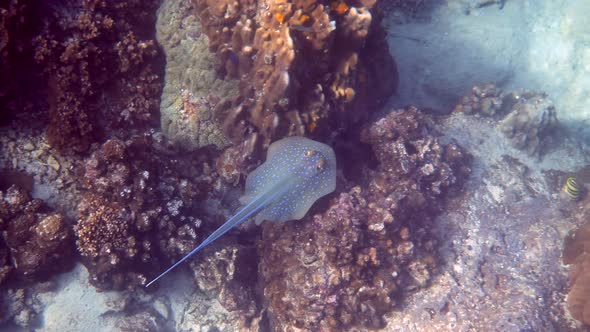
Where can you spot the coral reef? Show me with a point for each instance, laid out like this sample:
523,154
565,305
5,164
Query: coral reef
229,274
344,268
508,223
138,210
102,68
143,321
192,87
577,253
303,67
36,242
143,206
527,118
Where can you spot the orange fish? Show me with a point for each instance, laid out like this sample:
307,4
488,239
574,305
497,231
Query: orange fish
340,7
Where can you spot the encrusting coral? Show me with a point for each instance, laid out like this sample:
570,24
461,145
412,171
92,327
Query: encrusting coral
304,66
36,242
144,206
346,267
100,63
192,86
138,210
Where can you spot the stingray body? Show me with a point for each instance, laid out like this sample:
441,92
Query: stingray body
296,173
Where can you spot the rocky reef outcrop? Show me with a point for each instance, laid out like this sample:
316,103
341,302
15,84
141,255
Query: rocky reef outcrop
346,267
527,118
304,67
138,212
577,254
100,64
36,242
228,273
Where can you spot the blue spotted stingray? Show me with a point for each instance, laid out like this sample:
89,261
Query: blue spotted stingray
296,173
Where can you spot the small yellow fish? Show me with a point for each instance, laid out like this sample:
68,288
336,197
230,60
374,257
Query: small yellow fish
572,189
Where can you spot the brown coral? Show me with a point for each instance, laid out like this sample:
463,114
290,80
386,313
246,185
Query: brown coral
301,64
39,242
144,206
137,212
98,58
346,267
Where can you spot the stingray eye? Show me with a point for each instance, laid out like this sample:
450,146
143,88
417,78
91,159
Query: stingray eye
310,153
320,164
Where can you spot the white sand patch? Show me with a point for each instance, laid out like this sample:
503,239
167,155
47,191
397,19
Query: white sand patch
77,306
539,45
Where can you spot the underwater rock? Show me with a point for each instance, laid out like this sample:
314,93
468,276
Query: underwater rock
303,67
206,314
5,264
577,253
20,307
28,161
530,124
138,210
192,87
499,242
485,99
346,267
39,242
229,274
527,118
101,66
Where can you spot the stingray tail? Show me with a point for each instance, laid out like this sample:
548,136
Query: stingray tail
243,214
